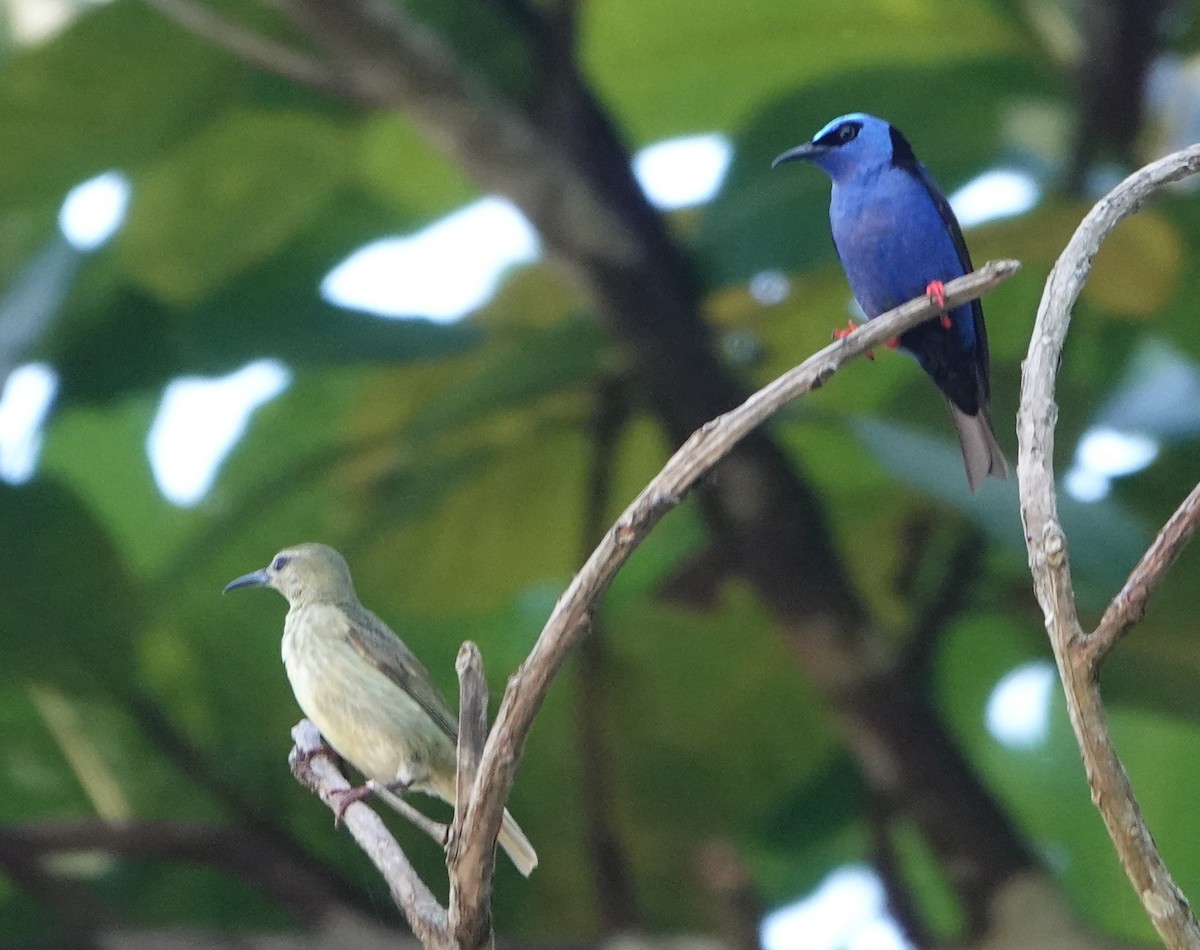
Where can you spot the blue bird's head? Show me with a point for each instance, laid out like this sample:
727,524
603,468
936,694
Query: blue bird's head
852,145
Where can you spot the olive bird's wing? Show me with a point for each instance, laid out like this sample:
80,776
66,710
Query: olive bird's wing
380,647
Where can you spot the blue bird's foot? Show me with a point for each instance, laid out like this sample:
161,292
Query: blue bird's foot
937,293
840,333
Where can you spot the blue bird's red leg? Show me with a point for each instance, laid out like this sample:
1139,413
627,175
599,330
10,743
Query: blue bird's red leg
937,292
851,326
840,333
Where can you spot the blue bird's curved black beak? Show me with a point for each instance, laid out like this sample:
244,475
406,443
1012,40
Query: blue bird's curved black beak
799,153
253,579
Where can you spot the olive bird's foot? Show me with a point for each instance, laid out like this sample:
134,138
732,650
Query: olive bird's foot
936,292
303,757
893,343
840,333
347,797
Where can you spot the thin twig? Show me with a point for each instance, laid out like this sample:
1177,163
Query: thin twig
1050,566
470,897
1129,605
312,765
707,446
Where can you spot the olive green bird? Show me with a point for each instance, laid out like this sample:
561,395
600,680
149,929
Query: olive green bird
366,692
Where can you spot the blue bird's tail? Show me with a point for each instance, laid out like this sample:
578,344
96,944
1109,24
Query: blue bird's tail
981,452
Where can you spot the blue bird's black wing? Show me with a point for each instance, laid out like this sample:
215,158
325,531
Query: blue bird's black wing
904,159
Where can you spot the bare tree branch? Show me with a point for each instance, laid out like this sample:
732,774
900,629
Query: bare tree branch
472,725
255,821
313,767
1050,565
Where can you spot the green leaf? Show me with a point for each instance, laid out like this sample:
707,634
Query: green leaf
86,102
391,156
68,607
520,367
230,197
101,455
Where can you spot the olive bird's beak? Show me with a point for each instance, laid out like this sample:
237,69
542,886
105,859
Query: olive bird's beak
253,579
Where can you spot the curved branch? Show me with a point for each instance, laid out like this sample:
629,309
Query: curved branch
568,623
1049,563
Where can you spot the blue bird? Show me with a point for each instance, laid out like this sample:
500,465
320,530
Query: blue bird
898,239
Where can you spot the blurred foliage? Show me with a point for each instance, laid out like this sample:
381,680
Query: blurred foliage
449,462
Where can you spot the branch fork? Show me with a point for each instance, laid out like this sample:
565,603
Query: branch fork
1079,655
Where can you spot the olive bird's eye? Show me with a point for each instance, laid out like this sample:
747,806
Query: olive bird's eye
280,562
